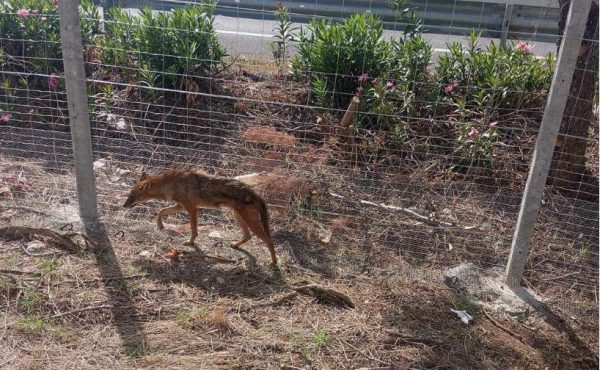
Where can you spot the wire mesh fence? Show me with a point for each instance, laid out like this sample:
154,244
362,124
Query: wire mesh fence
363,134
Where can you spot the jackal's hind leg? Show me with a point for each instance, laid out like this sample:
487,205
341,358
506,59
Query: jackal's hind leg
247,236
252,218
193,212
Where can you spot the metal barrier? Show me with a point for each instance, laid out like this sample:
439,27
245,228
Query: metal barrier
522,19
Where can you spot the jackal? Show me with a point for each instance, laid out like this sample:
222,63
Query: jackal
193,189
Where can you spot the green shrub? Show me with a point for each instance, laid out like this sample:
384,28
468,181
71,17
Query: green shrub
31,34
284,36
338,53
493,79
183,41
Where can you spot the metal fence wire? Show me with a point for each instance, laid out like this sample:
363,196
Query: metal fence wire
414,134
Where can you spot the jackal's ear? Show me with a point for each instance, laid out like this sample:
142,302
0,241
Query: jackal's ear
144,176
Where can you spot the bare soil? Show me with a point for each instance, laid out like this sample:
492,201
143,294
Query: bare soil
123,302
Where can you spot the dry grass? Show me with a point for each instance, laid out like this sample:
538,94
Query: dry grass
108,306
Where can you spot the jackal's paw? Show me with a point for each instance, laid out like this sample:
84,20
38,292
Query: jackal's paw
160,226
189,243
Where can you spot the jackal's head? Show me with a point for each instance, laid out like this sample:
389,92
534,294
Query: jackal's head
139,193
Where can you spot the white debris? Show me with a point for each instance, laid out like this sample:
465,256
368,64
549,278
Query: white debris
100,164
34,246
116,122
215,235
146,254
325,235
463,315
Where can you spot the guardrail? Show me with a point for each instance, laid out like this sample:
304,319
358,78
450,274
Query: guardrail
510,19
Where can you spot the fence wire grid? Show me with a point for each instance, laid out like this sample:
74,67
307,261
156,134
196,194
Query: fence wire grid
365,134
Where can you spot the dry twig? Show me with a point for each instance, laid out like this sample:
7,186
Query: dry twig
90,308
16,232
410,213
326,295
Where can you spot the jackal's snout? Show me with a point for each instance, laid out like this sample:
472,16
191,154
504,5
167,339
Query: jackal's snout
130,202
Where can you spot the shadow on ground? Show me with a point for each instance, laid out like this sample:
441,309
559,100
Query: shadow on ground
120,295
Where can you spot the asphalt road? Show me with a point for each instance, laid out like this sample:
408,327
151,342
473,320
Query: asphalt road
250,38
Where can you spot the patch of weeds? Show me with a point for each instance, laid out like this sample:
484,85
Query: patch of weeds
34,323
314,210
190,318
49,267
300,344
307,353
328,271
321,338
7,284
469,305
136,287
13,260
135,352
584,251
30,301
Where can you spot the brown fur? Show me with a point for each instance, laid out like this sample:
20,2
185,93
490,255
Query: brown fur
193,189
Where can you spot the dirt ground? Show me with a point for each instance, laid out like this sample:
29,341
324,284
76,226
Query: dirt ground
121,301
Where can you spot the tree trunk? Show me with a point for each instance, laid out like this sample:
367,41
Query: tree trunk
568,172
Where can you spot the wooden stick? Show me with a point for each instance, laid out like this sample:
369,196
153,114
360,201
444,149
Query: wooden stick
350,112
503,328
101,279
90,308
320,292
362,353
15,232
347,121
410,213
19,272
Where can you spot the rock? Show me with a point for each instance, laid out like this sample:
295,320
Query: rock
215,235
5,192
146,254
325,235
99,164
34,246
486,288
220,280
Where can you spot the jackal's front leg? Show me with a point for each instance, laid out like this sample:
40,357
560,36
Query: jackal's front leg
167,211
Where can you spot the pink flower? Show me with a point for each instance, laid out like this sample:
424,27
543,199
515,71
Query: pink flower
34,11
43,18
472,132
358,90
31,110
53,81
493,124
450,88
363,77
5,117
23,12
390,84
524,47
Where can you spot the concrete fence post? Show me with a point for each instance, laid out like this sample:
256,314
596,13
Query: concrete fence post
544,147
81,136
